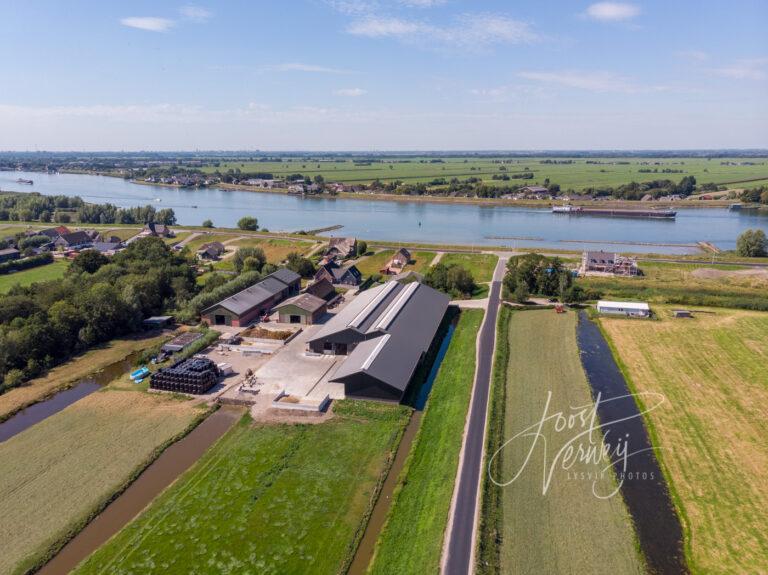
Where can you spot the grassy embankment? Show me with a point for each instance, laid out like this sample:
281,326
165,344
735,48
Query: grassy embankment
688,284
567,529
412,538
712,431
271,498
71,372
48,272
62,471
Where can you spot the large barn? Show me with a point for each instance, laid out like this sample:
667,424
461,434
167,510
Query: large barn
385,331
246,306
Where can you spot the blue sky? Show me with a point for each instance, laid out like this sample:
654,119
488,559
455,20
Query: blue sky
383,75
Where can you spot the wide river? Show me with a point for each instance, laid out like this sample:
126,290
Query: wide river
464,224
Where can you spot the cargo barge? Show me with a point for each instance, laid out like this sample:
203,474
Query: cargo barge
663,213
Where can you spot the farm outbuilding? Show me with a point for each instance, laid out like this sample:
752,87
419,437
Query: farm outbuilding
626,308
304,309
181,342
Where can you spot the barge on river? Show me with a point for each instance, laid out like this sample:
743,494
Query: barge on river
663,213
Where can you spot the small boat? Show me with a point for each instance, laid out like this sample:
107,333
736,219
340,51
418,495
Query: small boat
23,181
140,374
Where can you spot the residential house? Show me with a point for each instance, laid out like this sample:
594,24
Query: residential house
323,289
398,261
339,275
157,230
386,333
54,233
107,248
255,301
608,263
341,248
211,251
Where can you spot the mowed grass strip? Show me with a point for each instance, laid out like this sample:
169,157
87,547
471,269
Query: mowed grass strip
60,472
565,528
48,272
71,372
276,250
481,266
266,499
712,431
420,261
370,265
412,538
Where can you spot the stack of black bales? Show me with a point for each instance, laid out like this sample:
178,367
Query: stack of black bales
194,375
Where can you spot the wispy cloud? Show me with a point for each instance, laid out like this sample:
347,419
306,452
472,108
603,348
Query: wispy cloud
747,69
612,11
195,14
149,23
301,67
422,3
693,55
351,92
599,81
354,7
469,31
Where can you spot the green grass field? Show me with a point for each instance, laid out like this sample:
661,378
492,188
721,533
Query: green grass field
481,266
577,175
61,471
266,499
52,271
711,432
561,527
276,250
412,538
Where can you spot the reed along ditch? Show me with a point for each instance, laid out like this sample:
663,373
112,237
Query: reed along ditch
44,409
417,398
153,480
644,488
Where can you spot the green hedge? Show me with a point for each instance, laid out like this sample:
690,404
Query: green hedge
26,263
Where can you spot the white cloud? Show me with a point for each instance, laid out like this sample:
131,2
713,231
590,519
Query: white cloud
612,11
351,92
149,23
599,81
301,67
469,31
195,14
748,69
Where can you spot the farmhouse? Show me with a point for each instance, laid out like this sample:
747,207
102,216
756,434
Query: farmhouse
9,254
246,306
341,248
304,309
385,332
629,309
336,274
54,233
395,265
211,251
73,241
157,231
608,263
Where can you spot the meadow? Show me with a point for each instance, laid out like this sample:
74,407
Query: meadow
266,498
527,527
371,264
481,266
578,174
60,472
69,373
412,538
688,284
711,431
52,271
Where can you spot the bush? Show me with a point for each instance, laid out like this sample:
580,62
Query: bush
248,223
752,244
208,224
249,259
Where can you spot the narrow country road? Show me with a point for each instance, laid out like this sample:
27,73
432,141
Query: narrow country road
463,520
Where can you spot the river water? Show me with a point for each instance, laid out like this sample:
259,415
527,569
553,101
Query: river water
464,224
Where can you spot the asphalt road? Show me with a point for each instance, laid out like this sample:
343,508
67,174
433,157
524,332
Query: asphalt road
461,538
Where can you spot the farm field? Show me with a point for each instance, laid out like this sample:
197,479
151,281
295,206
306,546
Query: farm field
577,174
422,499
52,271
61,471
567,529
80,367
712,430
481,266
688,284
276,250
272,498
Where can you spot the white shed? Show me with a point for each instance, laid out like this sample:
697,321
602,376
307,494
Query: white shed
627,308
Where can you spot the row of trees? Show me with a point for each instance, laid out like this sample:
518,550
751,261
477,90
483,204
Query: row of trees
44,324
535,274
